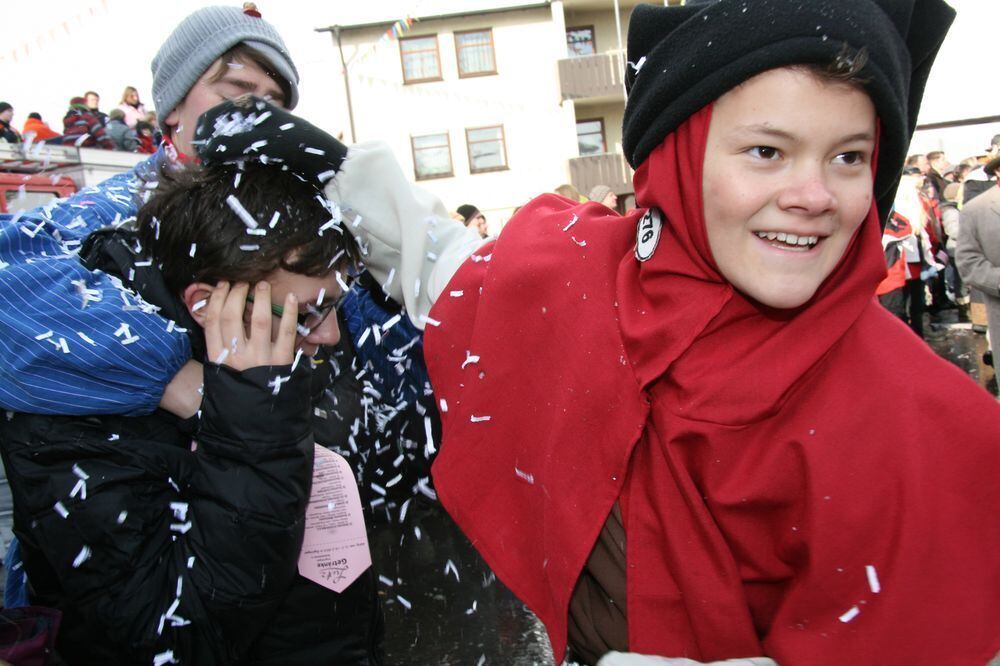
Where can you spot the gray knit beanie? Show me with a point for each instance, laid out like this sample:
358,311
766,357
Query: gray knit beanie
202,38
599,192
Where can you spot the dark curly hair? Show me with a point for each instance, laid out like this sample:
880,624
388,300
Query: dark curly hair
193,226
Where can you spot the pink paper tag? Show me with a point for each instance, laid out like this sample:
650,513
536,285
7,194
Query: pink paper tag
335,547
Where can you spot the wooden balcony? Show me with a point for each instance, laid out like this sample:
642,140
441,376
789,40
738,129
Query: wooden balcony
592,77
609,169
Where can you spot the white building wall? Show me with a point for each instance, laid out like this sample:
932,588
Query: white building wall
523,97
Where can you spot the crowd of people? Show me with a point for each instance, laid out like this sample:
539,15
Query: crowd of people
925,277
674,434
128,126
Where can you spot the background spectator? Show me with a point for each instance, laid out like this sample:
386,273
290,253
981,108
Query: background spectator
602,194
570,193
937,164
37,127
93,102
472,218
133,109
7,131
148,141
83,128
124,137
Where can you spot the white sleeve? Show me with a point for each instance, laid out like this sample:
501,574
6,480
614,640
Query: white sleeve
410,244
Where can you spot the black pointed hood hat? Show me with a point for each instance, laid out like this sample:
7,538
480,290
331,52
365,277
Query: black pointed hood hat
682,58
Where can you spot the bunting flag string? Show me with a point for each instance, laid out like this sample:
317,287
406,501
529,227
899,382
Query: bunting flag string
394,31
25,49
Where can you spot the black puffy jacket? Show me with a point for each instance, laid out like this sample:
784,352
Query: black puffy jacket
154,551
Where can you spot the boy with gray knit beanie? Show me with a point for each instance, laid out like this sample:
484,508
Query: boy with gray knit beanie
215,53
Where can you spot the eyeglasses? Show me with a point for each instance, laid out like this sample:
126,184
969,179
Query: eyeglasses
307,322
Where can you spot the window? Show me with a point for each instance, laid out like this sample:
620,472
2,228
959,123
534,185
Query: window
580,41
487,151
421,61
474,51
590,137
431,156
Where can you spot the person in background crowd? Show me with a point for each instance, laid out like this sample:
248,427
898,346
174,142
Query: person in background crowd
37,127
603,195
917,161
83,129
131,106
909,255
977,180
937,165
570,192
93,101
147,137
7,131
978,252
951,223
473,218
125,138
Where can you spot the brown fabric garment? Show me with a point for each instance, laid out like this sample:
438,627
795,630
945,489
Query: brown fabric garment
597,610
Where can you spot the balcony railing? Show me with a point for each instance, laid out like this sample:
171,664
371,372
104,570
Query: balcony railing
609,169
599,75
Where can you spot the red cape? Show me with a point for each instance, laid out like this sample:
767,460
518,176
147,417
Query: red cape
775,468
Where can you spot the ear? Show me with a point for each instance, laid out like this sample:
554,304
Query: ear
195,299
171,121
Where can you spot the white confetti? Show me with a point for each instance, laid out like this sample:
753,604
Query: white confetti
320,296
443,404
86,338
81,557
469,360
194,248
314,151
61,509
852,613
388,582
181,527
429,321
44,336
530,478
262,117
479,419
406,604
575,219
274,219
168,656
277,382
80,474
450,566
79,489
199,305
326,175
241,212
456,294
873,582
286,127
392,321
582,243
122,516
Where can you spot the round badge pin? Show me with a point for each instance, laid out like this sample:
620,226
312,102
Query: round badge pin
647,234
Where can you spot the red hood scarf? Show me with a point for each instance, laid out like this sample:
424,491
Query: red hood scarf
813,485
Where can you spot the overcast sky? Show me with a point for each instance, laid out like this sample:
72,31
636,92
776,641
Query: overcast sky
65,47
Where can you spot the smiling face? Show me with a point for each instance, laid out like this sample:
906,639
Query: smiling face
238,77
787,182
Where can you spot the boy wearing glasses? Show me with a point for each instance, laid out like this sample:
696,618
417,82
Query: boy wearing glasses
170,541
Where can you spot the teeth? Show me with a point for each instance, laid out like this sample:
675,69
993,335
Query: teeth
790,239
